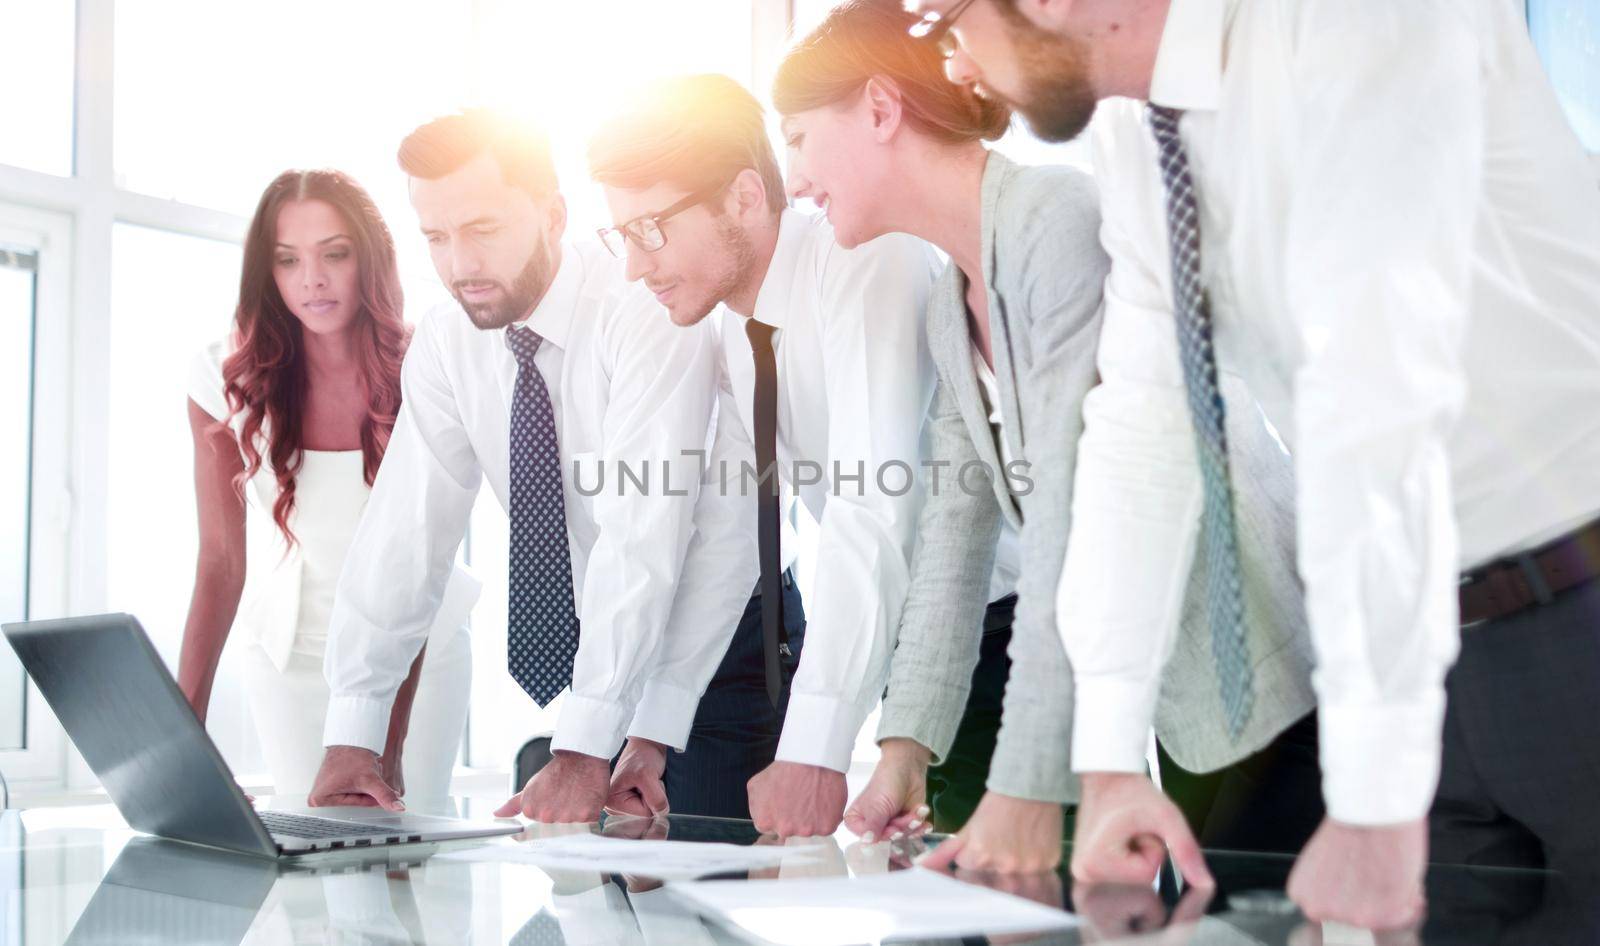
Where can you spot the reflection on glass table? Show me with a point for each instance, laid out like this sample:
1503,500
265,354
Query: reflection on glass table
77,875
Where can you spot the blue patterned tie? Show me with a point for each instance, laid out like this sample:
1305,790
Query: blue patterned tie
1219,538
541,624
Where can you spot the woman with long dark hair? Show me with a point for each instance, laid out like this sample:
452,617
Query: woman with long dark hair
298,401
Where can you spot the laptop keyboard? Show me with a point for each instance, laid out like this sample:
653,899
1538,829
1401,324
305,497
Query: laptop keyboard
314,828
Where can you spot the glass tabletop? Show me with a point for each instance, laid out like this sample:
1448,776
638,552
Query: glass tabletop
78,875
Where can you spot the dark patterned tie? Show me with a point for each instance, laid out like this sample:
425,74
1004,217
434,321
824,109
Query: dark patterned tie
767,534
541,625
1219,538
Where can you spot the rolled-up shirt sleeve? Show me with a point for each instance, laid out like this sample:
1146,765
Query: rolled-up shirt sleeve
403,551
880,381
1378,257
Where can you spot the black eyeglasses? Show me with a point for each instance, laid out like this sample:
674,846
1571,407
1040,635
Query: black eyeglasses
934,27
645,232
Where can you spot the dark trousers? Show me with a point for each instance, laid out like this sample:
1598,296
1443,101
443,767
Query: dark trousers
1267,802
736,728
1519,784
956,785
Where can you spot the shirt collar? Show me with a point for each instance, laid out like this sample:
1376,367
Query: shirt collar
552,317
777,287
1188,72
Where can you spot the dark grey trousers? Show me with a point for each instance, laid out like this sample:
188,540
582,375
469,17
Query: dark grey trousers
1520,781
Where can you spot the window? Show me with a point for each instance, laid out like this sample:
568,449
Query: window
36,66
566,65
1567,34
35,266
309,84
171,294
17,268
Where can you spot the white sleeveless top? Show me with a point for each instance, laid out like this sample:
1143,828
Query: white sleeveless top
289,592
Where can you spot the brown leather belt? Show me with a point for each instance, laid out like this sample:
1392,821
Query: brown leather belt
1506,586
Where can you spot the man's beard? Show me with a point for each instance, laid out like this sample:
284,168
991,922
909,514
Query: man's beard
518,301
740,253
1056,100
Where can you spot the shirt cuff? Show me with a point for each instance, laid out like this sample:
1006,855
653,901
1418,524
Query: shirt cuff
357,721
819,731
1111,724
665,715
1380,763
590,726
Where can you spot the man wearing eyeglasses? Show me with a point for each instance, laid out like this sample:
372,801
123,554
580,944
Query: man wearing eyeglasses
826,360
1380,215
545,377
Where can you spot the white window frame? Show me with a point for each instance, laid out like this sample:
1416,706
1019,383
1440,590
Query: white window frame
48,234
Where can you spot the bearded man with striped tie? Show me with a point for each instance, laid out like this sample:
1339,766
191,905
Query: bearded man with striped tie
1376,215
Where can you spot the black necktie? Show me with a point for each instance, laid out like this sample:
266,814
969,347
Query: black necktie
766,419
541,624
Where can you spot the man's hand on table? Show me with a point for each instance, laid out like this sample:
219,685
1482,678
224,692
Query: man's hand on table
1005,834
894,803
1125,829
1369,877
570,789
792,800
636,783
351,775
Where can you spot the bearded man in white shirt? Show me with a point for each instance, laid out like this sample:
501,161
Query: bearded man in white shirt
546,375
1396,235
827,362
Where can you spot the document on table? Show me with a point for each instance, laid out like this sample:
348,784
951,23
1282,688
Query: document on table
902,904
662,860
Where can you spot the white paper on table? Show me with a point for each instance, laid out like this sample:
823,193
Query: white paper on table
835,911
662,860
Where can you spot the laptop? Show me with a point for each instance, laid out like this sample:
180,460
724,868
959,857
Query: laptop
124,712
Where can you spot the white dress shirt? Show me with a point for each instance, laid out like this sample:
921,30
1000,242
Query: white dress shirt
625,386
854,383
1401,245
